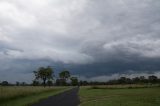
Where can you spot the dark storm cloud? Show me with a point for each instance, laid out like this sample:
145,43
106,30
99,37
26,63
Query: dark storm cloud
89,37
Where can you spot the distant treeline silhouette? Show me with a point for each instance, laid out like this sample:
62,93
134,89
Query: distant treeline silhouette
124,80
44,76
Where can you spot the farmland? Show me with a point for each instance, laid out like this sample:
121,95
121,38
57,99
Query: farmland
22,96
120,96
106,95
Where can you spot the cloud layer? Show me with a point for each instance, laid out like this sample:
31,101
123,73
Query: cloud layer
89,37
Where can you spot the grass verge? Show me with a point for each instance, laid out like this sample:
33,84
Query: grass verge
120,97
32,98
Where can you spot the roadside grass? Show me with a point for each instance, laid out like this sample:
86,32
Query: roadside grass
25,96
138,96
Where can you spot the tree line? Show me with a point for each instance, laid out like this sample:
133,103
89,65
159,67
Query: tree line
136,80
124,80
44,76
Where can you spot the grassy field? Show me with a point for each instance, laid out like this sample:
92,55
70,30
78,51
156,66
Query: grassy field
23,96
120,96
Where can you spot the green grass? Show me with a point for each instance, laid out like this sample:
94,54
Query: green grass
24,96
120,97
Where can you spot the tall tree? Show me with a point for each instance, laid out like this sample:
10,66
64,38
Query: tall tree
4,83
64,75
44,74
74,81
153,79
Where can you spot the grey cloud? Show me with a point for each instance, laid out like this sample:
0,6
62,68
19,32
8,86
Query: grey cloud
88,35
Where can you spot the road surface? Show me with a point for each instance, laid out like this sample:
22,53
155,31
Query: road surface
67,98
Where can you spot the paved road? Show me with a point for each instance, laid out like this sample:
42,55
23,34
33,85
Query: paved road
68,98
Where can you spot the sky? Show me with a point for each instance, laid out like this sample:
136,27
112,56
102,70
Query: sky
94,39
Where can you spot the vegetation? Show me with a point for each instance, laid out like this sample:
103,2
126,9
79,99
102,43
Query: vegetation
44,74
21,96
5,83
123,80
74,81
63,77
120,97
64,74
138,91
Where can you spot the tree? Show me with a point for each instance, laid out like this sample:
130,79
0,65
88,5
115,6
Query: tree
49,83
74,81
35,83
152,79
142,79
122,80
60,82
23,84
64,75
4,83
136,80
83,83
44,74
17,83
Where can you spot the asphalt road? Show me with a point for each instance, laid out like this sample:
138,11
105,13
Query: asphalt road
67,98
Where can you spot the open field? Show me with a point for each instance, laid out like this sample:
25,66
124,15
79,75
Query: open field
22,96
120,96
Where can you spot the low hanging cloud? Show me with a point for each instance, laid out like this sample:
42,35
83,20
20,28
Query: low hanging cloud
89,37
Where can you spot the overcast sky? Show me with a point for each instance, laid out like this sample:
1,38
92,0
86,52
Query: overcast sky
92,38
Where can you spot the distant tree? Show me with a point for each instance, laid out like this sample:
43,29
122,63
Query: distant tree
35,83
49,83
112,82
122,80
17,83
64,75
142,79
4,83
60,82
23,84
153,79
74,81
128,81
44,74
136,80
83,83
